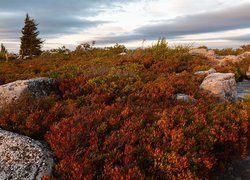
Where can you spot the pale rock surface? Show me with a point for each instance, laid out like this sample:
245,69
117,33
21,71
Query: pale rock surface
37,87
184,97
222,85
23,158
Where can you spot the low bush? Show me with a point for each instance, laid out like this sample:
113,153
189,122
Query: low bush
119,118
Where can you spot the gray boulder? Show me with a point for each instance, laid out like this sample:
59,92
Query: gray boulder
184,97
23,158
37,87
222,85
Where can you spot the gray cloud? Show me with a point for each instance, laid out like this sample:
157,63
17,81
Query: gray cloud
213,21
243,38
55,18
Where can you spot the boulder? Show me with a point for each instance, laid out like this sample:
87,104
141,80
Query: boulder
231,58
37,87
200,51
210,71
184,97
203,52
244,55
222,85
23,158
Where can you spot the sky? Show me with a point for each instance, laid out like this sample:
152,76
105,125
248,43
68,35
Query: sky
134,23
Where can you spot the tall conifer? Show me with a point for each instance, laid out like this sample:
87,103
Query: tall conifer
30,43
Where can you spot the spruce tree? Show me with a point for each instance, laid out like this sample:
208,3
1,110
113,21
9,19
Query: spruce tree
30,43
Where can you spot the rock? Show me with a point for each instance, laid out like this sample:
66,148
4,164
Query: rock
23,158
248,73
243,90
1,82
210,53
231,58
37,87
244,55
222,85
210,71
184,97
123,54
203,52
200,51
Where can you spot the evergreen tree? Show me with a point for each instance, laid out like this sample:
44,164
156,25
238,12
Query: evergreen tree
30,43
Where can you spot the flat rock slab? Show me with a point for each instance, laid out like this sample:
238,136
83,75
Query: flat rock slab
23,158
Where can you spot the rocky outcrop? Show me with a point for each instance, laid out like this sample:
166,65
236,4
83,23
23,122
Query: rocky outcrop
210,71
203,52
23,158
221,60
244,55
222,85
231,58
37,87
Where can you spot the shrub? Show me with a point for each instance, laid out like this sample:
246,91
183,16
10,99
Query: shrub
117,117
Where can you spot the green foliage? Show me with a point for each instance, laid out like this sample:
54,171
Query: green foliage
2,56
245,47
30,43
228,51
116,49
203,47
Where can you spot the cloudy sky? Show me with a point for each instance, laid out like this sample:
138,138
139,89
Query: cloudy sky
220,23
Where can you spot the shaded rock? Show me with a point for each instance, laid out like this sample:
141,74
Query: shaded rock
37,87
23,158
210,71
184,97
222,85
243,89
